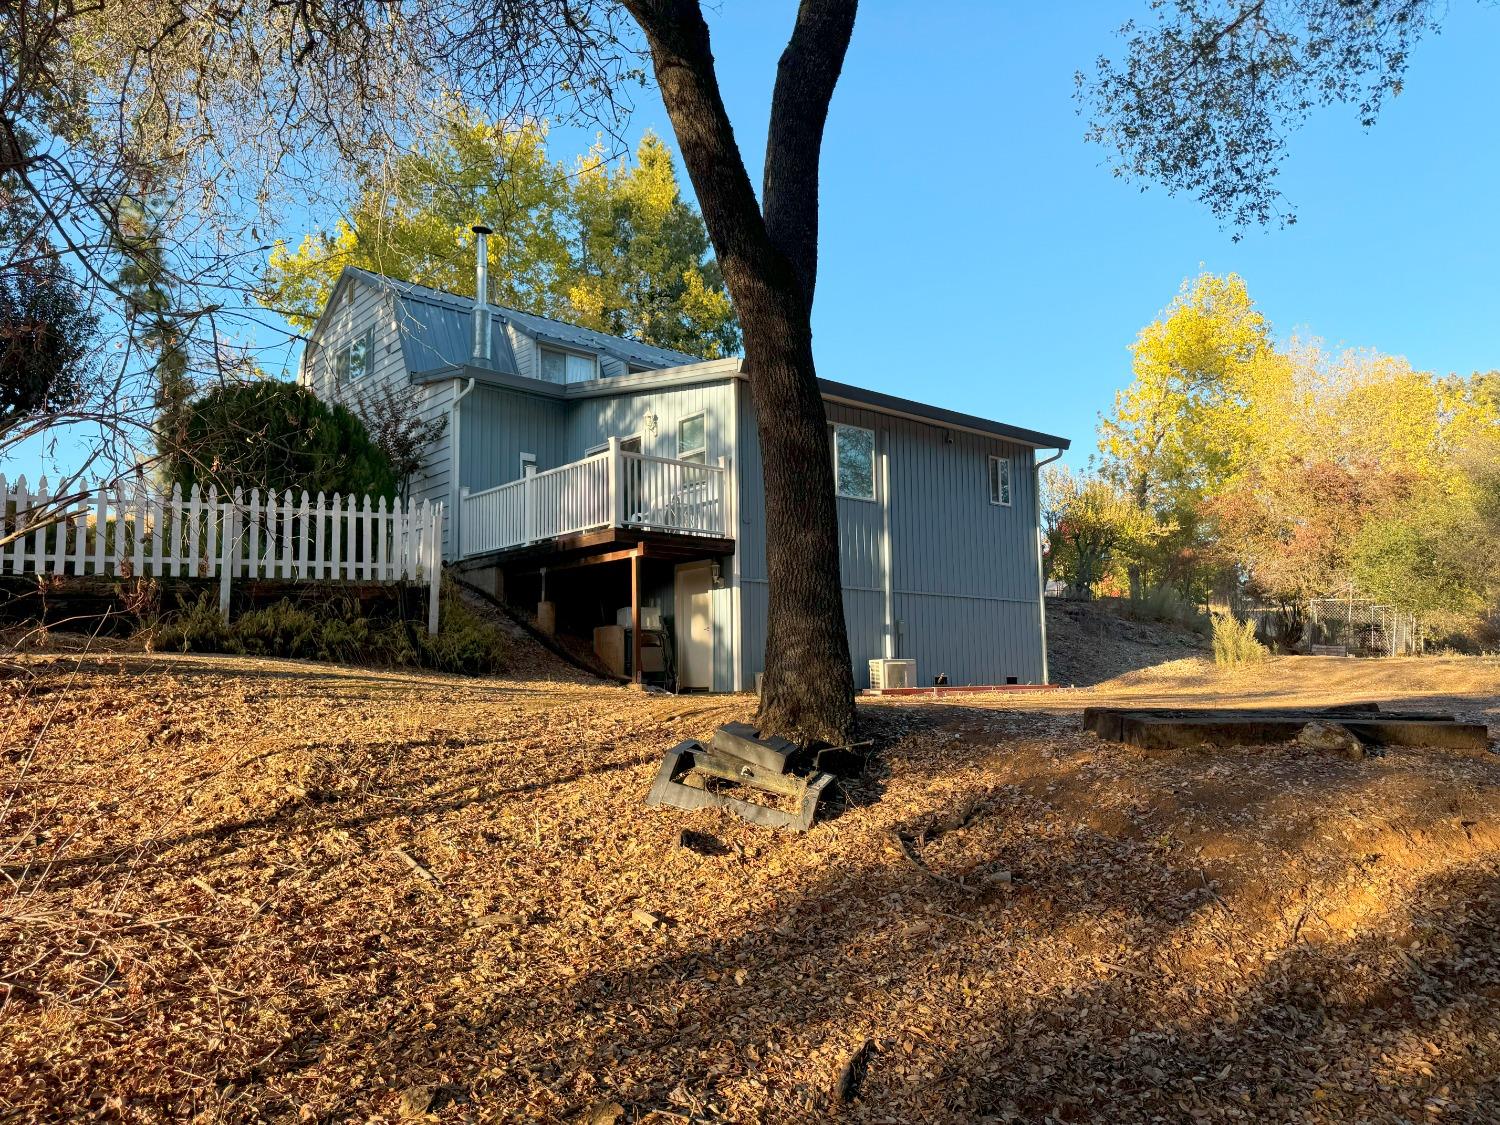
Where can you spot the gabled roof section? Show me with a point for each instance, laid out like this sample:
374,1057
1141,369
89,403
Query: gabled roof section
437,331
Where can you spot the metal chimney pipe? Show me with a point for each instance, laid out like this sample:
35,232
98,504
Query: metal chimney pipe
481,295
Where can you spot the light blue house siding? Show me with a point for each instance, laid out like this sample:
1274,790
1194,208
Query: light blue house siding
931,569
498,426
653,415
962,574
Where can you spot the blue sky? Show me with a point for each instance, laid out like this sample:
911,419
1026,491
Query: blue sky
977,254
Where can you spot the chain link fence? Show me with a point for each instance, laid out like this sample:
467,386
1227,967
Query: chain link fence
1356,625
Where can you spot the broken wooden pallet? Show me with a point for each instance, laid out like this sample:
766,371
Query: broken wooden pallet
1176,728
673,787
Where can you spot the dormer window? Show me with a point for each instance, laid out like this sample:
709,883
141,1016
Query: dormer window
559,366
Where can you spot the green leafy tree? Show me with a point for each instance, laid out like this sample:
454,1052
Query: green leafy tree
274,435
413,218
611,247
46,342
153,318
643,266
1092,527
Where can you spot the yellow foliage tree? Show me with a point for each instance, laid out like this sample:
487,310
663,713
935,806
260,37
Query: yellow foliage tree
615,248
1181,426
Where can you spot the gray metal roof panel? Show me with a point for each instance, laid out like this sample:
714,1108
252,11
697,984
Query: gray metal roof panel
433,311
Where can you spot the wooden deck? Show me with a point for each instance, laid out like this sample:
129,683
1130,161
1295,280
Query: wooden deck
607,544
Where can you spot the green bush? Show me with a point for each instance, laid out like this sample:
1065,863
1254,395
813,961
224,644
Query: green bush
336,630
275,435
465,643
282,629
1235,643
199,628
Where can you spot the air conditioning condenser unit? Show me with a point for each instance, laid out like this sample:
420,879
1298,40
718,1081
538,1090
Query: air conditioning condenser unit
892,674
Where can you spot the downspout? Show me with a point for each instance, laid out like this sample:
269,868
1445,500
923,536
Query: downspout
455,451
888,591
1041,574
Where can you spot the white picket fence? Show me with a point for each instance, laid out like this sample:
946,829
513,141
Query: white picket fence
135,531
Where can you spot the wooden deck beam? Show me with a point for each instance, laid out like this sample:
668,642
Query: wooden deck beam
555,554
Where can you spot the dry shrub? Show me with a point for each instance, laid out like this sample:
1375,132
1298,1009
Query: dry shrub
1235,643
336,630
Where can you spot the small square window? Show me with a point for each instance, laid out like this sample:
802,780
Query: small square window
692,439
854,462
1000,481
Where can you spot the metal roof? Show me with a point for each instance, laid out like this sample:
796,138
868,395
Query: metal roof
438,330
891,404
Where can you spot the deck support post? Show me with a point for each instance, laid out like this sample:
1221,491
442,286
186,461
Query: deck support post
635,616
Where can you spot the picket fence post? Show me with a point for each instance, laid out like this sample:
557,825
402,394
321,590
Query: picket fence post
226,556
434,559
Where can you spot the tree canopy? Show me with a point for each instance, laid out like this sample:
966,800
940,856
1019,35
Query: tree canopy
1291,471
613,247
1209,91
270,435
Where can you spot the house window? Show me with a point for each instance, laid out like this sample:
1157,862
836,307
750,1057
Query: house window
568,367
692,439
854,462
355,359
1000,480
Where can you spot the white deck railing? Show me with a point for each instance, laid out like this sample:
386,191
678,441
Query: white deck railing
141,532
613,488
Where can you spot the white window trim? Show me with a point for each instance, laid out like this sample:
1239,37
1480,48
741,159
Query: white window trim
989,481
528,461
681,453
833,451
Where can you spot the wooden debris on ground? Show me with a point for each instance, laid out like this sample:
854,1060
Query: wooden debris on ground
1176,728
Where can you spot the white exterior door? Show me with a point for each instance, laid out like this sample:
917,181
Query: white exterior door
695,626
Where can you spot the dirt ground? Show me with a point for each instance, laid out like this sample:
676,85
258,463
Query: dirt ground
251,890
1088,644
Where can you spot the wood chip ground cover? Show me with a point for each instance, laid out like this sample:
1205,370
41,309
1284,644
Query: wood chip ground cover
262,890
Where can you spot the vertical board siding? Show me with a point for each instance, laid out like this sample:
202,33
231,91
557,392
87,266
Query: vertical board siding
593,421
500,425
963,571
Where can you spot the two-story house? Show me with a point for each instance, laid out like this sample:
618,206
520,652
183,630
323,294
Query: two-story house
596,473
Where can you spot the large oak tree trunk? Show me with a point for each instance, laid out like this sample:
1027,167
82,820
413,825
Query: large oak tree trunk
769,258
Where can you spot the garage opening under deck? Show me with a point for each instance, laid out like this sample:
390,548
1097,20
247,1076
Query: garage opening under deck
606,531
